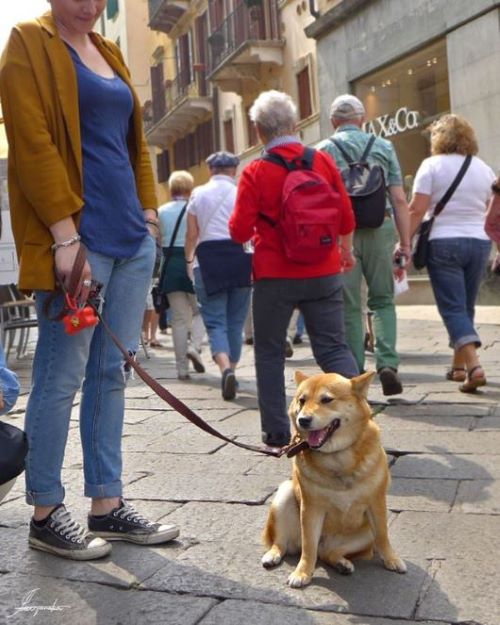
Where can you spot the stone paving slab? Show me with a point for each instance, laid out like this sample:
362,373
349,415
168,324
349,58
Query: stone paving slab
439,535
422,495
479,497
473,597
428,424
93,604
198,486
225,571
448,466
254,613
443,442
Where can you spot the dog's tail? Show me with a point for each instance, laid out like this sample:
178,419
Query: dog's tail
269,533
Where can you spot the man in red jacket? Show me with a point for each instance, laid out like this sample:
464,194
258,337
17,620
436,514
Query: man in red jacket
281,285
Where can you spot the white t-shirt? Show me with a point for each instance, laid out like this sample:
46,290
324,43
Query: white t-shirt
212,204
464,214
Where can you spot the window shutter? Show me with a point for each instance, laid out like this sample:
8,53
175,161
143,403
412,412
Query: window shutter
304,89
112,9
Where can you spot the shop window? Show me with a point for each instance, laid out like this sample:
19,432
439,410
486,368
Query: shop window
112,9
304,93
403,99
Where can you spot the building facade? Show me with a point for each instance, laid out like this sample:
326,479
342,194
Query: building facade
212,59
411,61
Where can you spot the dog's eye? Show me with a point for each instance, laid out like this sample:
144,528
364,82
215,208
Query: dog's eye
326,399
302,400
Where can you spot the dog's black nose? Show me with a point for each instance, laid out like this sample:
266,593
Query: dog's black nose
305,422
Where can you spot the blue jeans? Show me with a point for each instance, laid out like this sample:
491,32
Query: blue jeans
9,384
320,301
224,316
60,365
456,267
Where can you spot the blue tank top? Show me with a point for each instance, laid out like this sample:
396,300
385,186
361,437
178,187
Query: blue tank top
112,221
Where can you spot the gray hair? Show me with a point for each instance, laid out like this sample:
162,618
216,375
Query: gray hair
275,112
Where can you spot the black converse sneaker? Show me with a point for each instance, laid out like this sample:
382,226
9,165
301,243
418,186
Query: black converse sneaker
125,523
62,536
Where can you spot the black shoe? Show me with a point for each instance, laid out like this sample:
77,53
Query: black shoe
125,523
195,357
62,536
391,383
297,340
228,384
275,439
288,349
249,340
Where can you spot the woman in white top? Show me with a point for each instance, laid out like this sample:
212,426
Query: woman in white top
459,246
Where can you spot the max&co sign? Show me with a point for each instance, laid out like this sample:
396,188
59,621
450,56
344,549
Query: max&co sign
387,126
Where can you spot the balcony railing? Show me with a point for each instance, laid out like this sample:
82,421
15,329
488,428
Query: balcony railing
257,21
164,14
185,99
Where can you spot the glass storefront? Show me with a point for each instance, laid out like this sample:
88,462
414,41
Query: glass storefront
402,99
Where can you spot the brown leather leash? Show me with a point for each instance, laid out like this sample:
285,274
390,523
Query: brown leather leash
289,450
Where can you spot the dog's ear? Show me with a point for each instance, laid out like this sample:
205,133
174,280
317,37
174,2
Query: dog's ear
300,377
360,384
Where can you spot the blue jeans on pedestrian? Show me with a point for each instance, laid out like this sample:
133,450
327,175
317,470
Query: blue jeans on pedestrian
224,315
456,266
62,362
321,302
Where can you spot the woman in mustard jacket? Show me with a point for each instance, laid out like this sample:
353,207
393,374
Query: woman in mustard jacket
79,174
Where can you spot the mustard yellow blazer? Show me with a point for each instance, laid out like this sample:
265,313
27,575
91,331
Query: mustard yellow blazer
39,94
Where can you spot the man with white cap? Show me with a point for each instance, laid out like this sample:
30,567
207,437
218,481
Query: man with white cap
378,259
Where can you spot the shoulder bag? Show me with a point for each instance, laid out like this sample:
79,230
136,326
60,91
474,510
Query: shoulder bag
421,240
160,299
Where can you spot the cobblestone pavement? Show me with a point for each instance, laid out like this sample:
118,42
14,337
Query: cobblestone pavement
444,507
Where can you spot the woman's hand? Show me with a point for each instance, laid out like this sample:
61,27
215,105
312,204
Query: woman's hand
347,259
64,259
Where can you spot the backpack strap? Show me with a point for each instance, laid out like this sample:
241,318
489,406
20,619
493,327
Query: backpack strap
306,160
347,157
368,148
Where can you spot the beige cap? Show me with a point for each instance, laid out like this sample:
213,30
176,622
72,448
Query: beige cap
347,106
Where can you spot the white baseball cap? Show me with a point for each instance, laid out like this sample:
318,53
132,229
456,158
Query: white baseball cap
347,106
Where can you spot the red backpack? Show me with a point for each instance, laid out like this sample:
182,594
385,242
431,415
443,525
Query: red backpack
309,219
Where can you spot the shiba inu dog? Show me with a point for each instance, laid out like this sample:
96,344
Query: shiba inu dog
334,507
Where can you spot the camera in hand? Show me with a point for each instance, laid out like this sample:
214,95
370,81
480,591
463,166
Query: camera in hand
400,261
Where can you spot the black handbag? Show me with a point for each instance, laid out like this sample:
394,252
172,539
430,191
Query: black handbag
420,251
13,450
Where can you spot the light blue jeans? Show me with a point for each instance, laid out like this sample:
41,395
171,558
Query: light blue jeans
456,266
60,365
224,316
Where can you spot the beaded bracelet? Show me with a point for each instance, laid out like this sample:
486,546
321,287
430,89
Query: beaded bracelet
71,241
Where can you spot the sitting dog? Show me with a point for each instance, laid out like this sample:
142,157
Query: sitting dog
334,506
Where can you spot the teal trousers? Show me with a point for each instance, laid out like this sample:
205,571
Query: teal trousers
373,251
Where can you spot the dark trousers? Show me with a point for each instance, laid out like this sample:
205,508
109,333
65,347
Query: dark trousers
321,302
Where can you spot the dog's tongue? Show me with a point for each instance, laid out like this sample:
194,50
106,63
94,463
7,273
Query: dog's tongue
317,437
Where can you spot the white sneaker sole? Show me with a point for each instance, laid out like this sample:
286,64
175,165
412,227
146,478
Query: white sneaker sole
141,539
77,554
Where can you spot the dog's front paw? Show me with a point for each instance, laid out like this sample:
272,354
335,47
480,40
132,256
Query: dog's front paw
345,566
298,579
272,557
395,564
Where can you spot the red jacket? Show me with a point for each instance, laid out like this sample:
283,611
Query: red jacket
259,191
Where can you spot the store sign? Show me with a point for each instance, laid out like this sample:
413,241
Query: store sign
387,126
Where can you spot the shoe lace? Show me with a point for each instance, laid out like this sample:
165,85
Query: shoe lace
128,513
63,524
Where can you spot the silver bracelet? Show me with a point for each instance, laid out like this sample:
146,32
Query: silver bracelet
71,241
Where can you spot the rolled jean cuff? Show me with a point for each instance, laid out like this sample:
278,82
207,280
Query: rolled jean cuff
53,498
465,340
98,491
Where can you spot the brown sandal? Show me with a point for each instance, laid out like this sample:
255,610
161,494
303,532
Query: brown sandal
456,374
473,382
